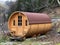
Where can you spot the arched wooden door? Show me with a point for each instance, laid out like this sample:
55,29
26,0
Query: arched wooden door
22,25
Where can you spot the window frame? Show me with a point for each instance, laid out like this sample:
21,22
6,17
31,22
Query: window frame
20,21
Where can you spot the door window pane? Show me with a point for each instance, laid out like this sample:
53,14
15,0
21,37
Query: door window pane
19,24
20,17
19,20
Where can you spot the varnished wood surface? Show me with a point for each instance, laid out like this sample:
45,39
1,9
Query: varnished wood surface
29,30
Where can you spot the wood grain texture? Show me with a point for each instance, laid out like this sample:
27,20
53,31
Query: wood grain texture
29,30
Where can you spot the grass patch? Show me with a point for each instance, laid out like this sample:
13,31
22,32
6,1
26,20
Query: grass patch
3,38
58,44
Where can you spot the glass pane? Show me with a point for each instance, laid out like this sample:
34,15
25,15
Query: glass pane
19,20
26,22
19,24
19,17
14,22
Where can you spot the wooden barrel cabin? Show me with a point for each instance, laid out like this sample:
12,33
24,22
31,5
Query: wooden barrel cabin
27,24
